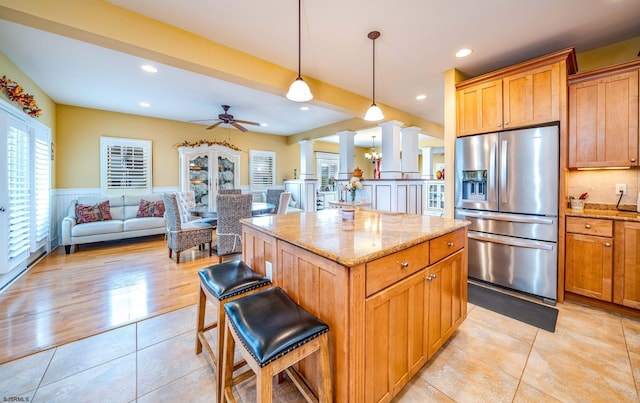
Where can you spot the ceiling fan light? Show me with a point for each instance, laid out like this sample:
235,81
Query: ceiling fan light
299,91
374,113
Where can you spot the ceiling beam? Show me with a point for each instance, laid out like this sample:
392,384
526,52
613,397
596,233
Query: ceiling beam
107,25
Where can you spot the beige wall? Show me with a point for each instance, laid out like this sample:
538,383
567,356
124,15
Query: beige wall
78,151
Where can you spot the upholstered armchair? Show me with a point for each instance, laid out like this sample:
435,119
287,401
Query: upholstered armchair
183,235
231,209
283,203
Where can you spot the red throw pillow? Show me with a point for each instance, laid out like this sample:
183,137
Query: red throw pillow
105,210
98,212
150,208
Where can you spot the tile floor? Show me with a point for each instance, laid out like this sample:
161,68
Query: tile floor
592,357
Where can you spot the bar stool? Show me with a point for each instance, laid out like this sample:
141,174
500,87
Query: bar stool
222,283
273,333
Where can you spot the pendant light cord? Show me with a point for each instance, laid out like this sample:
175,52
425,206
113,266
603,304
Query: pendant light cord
374,71
299,36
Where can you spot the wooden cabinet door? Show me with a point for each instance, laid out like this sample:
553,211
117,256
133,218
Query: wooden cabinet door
396,342
603,121
532,97
480,108
447,282
589,266
626,280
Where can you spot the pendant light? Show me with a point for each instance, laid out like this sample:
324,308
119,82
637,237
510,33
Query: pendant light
374,113
299,90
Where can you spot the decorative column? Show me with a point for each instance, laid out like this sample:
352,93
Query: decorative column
409,162
346,154
306,159
391,147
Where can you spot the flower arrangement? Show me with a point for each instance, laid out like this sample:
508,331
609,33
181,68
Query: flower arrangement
207,142
16,93
351,186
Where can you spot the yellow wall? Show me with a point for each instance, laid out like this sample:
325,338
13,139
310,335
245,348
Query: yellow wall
78,148
620,52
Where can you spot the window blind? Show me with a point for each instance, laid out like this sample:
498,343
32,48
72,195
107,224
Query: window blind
41,177
262,169
125,164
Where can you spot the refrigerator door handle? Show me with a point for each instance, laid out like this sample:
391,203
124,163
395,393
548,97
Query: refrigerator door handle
505,217
522,243
492,192
503,172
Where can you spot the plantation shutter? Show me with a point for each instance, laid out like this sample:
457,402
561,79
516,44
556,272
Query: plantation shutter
41,183
126,164
262,169
19,191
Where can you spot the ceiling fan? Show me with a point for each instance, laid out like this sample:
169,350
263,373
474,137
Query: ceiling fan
230,120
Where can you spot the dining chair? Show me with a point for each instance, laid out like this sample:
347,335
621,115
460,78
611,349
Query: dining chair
229,191
283,203
231,209
273,197
183,235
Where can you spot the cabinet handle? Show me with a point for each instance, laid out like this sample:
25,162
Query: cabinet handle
449,244
506,123
587,226
404,265
2,209
430,277
607,244
633,160
499,125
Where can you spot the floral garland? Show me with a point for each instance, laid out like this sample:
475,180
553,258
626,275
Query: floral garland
207,142
16,93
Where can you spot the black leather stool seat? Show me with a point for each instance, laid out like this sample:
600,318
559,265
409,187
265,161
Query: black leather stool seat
270,324
228,279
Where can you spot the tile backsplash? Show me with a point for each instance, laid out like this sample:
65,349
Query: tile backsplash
601,185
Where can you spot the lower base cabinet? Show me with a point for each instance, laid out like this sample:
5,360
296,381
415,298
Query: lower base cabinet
406,323
626,281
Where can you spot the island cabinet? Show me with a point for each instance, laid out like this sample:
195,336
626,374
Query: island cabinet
383,283
603,117
526,94
589,257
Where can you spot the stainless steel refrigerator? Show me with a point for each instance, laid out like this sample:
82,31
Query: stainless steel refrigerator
506,184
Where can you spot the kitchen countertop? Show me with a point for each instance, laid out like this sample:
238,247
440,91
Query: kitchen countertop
373,234
605,213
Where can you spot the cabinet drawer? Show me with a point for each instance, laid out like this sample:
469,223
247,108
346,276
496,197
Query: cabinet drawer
390,269
445,245
590,226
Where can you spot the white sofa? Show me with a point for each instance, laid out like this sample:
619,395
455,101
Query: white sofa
124,223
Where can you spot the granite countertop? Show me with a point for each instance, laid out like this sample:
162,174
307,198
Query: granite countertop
373,234
612,214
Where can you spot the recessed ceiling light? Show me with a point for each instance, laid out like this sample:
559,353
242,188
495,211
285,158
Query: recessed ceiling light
421,97
144,104
149,68
264,124
464,52
304,108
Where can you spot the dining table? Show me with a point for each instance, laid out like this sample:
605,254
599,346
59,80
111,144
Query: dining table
257,208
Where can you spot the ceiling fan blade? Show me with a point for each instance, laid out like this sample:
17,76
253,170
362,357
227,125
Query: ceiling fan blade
214,125
246,122
237,126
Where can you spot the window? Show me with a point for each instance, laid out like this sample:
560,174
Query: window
125,165
262,169
327,165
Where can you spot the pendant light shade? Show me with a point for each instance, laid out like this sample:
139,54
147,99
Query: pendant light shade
374,113
299,90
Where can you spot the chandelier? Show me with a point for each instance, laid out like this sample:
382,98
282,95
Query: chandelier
373,156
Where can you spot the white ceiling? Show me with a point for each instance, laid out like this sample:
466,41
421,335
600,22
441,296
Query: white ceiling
418,42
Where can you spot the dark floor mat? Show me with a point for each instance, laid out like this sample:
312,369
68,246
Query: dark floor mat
537,315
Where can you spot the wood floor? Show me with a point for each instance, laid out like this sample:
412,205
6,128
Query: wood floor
103,286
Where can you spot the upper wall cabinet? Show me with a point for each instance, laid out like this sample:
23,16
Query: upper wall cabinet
603,117
526,94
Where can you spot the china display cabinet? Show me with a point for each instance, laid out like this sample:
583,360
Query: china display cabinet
206,169
435,197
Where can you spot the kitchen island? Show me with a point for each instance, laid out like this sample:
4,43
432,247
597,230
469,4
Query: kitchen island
391,286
